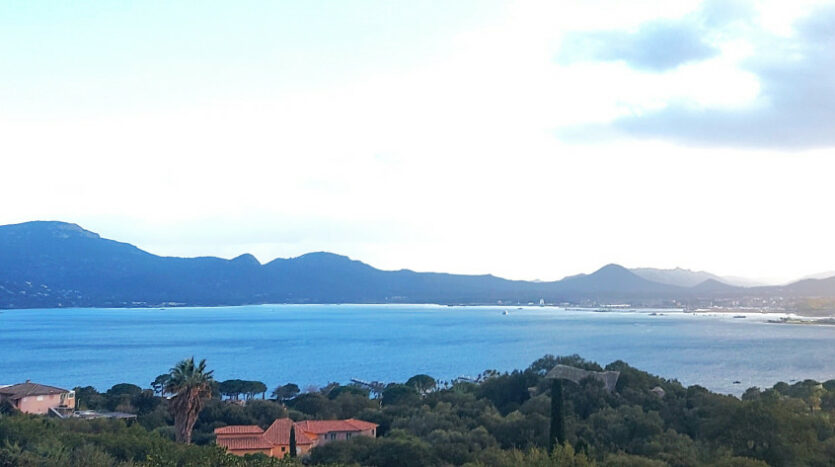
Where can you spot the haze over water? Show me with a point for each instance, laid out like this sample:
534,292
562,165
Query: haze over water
315,344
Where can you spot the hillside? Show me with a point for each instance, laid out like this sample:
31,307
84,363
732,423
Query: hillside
677,276
500,419
56,264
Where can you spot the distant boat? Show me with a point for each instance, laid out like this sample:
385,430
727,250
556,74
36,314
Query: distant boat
739,316
505,312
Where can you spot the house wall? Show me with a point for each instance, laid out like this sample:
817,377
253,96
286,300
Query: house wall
340,436
300,449
41,404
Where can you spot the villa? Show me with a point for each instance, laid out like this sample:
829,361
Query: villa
275,441
36,398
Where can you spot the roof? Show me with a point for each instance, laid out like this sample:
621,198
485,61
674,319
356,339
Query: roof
279,433
239,430
362,424
235,443
19,391
251,437
326,426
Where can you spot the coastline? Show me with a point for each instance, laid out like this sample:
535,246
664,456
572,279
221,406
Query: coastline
377,341
793,316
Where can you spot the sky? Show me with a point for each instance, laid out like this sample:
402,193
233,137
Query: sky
530,140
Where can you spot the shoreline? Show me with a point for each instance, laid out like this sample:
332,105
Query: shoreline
96,339
784,317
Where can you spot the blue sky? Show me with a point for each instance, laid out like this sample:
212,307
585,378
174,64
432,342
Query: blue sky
525,139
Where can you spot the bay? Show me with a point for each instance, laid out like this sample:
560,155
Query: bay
316,344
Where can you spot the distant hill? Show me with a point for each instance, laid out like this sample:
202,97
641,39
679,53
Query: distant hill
52,264
615,280
820,275
808,288
690,278
713,287
677,276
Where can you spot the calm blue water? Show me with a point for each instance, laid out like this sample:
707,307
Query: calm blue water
314,344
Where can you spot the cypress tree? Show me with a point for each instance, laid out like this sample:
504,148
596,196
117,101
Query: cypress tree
557,415
292,441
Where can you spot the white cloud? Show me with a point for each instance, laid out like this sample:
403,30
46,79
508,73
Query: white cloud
767,89
446,163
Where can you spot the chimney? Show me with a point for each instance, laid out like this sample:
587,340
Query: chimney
28,380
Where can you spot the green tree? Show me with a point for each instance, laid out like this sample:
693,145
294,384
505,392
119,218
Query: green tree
292,441
423,383
124,389
557,436
232,388
88,398
399,394
286,392
348,390
325,391
158,384
191,386
145,402
315,405
258,387
120,397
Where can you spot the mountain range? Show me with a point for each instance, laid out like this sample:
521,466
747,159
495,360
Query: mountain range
689,278
57,264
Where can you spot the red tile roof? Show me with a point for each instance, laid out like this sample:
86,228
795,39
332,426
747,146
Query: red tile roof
239,430
237,443
362,425
326,426
251,437
279,433
19,391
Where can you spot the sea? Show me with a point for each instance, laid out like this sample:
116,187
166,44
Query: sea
312,345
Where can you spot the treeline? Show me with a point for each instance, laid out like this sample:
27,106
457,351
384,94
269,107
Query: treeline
33,441
503,420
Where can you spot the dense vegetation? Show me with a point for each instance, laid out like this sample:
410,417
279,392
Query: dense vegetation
503,419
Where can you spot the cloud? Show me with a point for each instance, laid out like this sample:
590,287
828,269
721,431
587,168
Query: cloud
795,108
657,46
661,44
722,13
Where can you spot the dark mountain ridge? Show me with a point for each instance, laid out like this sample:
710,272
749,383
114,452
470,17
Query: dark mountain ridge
53,264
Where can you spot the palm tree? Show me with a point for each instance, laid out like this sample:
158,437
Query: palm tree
190,386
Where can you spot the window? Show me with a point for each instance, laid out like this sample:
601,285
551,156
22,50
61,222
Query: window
283,448
348,435
332,436
40,398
